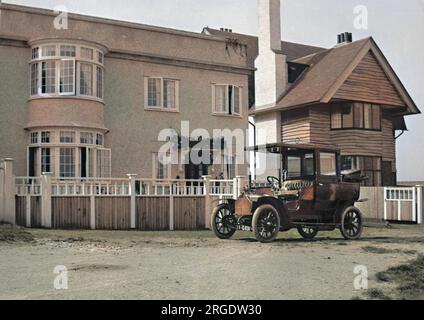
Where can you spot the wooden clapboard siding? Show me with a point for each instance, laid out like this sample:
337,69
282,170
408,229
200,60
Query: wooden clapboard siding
21,211
71,212
152,213
36,212
353,142
189,213
296,126
113,213
369,83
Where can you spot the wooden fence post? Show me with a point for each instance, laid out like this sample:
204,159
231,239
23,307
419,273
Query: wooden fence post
92,212
46,200
8,209
420,199
132,191
28,211
208,201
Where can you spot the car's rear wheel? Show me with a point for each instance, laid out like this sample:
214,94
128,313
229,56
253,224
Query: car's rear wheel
351,223
266,223
223,222
308,233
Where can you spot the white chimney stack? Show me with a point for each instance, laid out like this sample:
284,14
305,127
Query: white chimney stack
271,75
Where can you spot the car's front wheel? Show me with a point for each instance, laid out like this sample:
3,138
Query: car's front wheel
266,223
308,233
351,223
223,222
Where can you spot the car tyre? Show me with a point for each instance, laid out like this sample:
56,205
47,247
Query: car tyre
266,223
308,233
351,225
223,222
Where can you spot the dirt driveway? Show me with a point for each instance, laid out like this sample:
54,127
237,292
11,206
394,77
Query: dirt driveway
196,265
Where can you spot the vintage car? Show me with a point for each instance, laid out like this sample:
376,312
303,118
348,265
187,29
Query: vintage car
310,194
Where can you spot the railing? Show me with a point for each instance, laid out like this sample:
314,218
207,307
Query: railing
90,187
408,202
28,186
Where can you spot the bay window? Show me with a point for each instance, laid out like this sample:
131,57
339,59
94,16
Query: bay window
70,70
46,160
356,116
161,94
67,163
226,100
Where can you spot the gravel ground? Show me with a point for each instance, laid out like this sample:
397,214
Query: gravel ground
196,265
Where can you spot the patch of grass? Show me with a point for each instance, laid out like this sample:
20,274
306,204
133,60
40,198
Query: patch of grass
10,233
379,250
410,279
377,294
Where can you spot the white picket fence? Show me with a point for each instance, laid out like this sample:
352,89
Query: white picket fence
403,204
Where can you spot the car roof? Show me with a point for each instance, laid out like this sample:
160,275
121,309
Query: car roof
287,147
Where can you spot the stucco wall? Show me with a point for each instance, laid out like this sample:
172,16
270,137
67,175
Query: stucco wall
14,93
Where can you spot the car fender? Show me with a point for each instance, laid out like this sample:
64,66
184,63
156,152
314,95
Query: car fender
279,206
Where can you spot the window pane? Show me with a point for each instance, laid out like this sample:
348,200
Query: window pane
376,117
161,168
221,99
103,163
336,118
48,51
359,115
294,167
67,137
67,51
154,92
48,77
67,74
35,53
67,163
34,78
99,139
368,116
86,53
86,138
46,137
86,79
347,112
236,101
328,164
309,165
99,90
169,94
46,160
100,57
34,138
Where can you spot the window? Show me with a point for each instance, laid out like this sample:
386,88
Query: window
309,164
34,79
356,116
86,138
67,162
45,137
48,77
46,160
154,93
56,76
67,137
67,73
294,167
104,163
227,99
169,94
86,53
67,51
328,164
161,168
161,93
48,51
371,167
99,139
35,52
99,90
34,138
86,79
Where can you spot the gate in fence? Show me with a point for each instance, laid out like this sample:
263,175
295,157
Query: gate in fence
403,204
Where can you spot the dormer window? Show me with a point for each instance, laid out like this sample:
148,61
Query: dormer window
67,70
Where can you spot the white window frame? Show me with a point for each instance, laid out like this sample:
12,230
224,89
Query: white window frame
59,73
161,106
229,110
107,171
155,164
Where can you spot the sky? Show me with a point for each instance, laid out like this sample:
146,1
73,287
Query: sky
397,26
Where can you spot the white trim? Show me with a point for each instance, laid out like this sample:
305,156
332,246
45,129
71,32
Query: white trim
161,107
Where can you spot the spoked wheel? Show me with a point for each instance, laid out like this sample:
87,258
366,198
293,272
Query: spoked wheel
266,223
351,224
223,222
308,233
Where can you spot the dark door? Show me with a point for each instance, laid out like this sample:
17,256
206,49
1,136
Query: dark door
83,162
32,156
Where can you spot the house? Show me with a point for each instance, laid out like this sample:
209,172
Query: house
347,96
89,98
